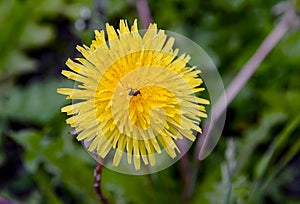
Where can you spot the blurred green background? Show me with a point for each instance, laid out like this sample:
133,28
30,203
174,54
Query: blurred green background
257,159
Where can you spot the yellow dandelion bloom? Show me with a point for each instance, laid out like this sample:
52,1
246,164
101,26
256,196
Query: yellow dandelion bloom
135,95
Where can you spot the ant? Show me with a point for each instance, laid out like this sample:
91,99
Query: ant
134,92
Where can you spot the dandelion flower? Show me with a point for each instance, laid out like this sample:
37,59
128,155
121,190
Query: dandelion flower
134,95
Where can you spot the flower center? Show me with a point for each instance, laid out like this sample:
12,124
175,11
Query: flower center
141,105
150,108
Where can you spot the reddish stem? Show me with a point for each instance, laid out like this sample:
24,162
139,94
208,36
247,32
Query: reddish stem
144,12
97,184
289,21
186,176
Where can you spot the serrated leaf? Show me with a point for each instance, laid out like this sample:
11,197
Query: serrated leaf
16,63
35,35
37,103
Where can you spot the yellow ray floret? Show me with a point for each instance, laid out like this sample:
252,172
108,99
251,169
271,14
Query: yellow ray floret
135,95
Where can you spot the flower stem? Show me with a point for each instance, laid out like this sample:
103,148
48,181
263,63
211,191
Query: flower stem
185,173
144,12
97,177
186,177
97,184
289,21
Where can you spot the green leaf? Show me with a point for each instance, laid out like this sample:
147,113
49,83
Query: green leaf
136,191
66,166
35,35
254,137
46,185
278,144
30,140
37,103
17,63
286,101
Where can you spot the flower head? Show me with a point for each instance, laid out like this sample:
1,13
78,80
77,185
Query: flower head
135,95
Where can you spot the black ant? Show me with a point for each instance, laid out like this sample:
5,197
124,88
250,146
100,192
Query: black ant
134,92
